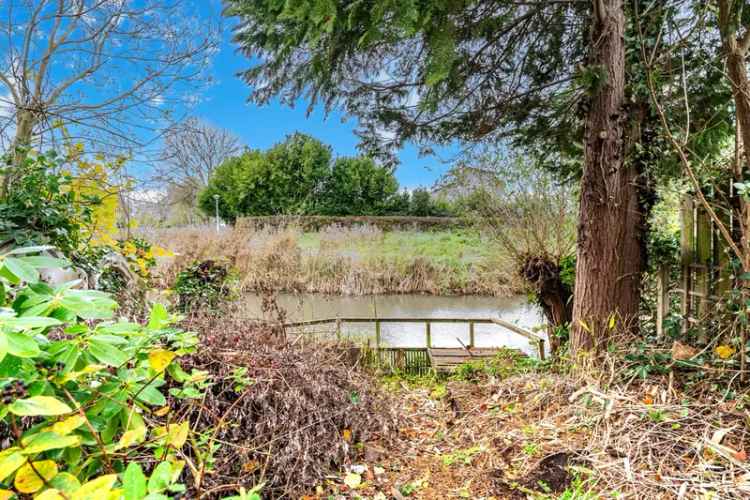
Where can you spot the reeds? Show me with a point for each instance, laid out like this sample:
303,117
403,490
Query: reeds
341,260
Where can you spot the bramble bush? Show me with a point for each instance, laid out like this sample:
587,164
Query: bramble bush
203,283
84,412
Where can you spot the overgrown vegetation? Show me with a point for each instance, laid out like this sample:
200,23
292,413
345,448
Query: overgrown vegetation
357,260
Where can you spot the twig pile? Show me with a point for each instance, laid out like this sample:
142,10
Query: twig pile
294,416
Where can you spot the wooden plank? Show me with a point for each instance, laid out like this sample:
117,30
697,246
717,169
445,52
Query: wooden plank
524,333
295,324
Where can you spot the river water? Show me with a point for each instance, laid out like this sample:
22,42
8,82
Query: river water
517,310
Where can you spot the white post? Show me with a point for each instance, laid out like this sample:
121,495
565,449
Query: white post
216,200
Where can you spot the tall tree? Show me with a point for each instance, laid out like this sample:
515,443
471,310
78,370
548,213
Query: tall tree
357,186
288,179
191,152
100,71
474,71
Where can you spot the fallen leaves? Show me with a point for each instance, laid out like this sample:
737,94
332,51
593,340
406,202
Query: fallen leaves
725,351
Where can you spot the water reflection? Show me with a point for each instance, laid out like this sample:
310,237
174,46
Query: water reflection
314,306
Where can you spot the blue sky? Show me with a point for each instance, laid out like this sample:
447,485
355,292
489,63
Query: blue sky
225,105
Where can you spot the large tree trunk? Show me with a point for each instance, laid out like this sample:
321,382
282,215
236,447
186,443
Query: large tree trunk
611,223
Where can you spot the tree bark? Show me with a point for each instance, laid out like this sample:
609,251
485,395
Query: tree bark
610,254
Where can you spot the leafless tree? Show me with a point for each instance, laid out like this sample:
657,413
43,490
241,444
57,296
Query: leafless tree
192,151
108,73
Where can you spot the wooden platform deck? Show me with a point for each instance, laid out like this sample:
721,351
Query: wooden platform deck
446,359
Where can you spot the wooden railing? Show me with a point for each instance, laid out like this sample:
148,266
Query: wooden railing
338,322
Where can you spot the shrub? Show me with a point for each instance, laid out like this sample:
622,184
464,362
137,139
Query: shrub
203,283
43,209
506,363
83,409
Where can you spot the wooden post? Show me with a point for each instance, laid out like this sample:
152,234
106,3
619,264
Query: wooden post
686,251
377,341
471,335
428,334
540,348
662,299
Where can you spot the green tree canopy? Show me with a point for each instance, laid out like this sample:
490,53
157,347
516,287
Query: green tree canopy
358,186
298,177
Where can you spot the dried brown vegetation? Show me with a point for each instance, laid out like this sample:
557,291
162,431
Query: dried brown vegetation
279,259
281,413
546,435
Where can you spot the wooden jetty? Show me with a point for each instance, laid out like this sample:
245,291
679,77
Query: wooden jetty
422,359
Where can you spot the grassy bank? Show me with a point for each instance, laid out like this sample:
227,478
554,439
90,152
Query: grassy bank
353,261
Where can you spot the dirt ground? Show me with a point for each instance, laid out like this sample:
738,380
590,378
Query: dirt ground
548,436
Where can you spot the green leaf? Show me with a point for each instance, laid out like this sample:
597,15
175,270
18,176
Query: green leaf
10,460
159,317
50,441
65,482
152,396
30,322
44,262
21,270
3,346
107,354
32,249
21,345
109,339
39,406
134,482
160,478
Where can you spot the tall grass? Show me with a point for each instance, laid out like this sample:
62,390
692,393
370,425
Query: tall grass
346,260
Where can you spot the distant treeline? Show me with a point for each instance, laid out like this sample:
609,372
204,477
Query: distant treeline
317,222
300,177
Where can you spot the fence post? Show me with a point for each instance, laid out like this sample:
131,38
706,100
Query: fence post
428,334
662,299
686,250
377,341
471,335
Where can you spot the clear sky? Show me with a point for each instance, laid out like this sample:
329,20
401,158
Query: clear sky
225,105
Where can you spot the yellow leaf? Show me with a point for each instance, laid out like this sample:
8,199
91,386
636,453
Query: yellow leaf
51,494
95,489
347,435
131,437
724,351
28,478
162,411
159,359
68,425
177,466
612,322
6,494
353,480
175,434
10,460
584,325
115,494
